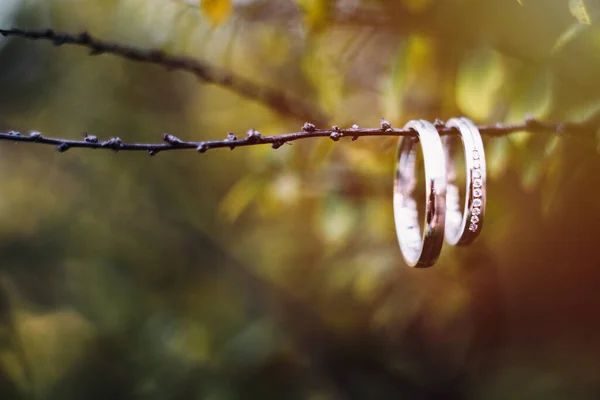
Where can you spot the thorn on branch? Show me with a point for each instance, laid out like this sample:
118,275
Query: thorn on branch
355,126
202,147
85,38
61,148
308,127
531,122
253,136
171,139
113,143
231,138
336,133
385,125
90,138
35,135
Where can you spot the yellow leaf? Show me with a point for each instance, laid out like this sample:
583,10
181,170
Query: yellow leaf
575,30
498,157
325,74
216,10
579,11
480,79
532,173
241,194
316,13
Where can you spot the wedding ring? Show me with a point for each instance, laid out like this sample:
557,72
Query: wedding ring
420,249
463,226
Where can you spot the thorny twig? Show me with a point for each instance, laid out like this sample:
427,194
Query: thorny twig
309,130
271,97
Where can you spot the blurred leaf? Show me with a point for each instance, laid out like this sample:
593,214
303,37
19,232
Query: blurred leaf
367,281
252,346
325,74
274,46
529,92
285,188
378,221
316,13
190,342
580,11
103,293
13,368
552,146
241,194
320,154
480,77
532,172
393,86
551,189
497,156
338,218
585,112
422,77
567,36
216,10
52,342
365,160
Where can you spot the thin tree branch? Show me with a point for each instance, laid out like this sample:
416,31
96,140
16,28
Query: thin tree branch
271,97
309,130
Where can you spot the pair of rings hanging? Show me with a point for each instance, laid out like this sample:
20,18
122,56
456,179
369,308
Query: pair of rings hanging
445,216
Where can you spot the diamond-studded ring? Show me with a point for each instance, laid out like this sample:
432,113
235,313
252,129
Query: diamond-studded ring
420,249
463,226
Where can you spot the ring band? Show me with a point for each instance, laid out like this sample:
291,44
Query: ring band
462,227
420,250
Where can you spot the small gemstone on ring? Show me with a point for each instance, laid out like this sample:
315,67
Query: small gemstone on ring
476,174
475,155
475,211
474,219
477,192
476,164
477,183
473,227
477,202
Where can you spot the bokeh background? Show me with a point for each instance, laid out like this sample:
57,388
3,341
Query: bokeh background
275,274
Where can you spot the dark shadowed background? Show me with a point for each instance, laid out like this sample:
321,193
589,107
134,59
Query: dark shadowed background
276,274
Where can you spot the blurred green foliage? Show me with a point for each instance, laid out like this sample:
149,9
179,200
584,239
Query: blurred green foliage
259,274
